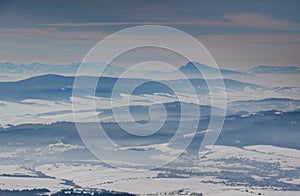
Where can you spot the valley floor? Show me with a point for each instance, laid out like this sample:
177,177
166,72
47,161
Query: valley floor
252,170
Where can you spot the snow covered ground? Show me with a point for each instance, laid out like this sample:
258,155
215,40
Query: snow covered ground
253,170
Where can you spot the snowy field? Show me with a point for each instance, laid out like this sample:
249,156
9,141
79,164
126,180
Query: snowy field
254,170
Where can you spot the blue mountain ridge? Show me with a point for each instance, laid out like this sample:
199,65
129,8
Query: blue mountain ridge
263,128
56,87
194,67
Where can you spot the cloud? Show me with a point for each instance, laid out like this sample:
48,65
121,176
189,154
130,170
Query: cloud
257,20
100,24
58,147
197,133
47,44
243,51
68,41
240,20
13,154
49,33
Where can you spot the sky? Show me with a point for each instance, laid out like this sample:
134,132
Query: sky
239,34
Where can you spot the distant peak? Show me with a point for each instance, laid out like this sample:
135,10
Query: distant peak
273,69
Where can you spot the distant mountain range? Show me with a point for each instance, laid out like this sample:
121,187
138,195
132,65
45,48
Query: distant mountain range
59,88
55,87
268,69
71,69
194,67
263,128
280,104
191,69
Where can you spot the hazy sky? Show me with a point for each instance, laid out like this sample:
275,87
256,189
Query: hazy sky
239,34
